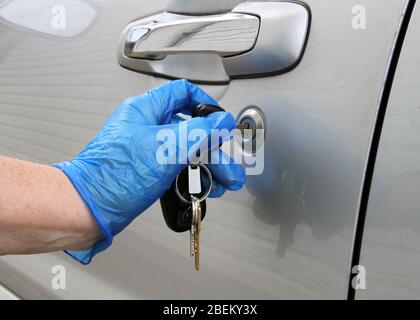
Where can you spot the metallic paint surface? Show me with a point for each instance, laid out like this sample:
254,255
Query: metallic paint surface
391,241
5,294
288,234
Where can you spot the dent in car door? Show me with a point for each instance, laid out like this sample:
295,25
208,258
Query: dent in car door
288,234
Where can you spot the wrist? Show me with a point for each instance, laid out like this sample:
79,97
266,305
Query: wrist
74,178
80,222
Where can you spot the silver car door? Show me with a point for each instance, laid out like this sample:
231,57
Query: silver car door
390,252
288,234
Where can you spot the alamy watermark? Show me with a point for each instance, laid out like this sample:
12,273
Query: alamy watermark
359,21
59,280
183,146
358,282
59,17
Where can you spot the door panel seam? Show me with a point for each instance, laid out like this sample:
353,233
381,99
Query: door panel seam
375,140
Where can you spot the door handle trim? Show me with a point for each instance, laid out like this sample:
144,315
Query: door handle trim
283,32
225,35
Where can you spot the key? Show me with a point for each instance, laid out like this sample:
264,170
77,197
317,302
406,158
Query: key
194,217
177,213
184,204
197,236
194,188
192,235
196,228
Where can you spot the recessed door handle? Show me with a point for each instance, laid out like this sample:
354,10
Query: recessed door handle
225,35
255,39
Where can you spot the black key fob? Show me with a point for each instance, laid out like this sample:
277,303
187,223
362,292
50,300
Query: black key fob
177,213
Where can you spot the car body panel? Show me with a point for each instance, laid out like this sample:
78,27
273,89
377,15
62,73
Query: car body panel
288,234
5,294
390,250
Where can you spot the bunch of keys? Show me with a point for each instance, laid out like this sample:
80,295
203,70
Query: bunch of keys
184,208
184,204
194,191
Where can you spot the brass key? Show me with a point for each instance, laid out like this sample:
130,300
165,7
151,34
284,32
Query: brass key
177,202
193,225
197,204
195,230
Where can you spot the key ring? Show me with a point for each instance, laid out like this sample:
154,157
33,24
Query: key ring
205,196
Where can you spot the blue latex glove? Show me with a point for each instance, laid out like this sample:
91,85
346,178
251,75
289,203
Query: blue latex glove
118,175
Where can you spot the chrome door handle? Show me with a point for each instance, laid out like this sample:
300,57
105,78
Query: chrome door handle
255,39
225,35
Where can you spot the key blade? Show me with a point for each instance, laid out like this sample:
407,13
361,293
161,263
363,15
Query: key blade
197,251
197,258
197,238
192,242
193,231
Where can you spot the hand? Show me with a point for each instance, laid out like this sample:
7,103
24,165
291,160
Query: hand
118,174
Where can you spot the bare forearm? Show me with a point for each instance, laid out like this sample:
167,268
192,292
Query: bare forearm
40,211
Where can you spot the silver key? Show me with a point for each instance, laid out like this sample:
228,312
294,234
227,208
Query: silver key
197,236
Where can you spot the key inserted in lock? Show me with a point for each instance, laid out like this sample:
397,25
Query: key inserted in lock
252,124
178,213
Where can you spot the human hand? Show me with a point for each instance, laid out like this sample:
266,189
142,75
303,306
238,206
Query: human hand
118,174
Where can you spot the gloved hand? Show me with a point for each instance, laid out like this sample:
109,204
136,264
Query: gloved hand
118,174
